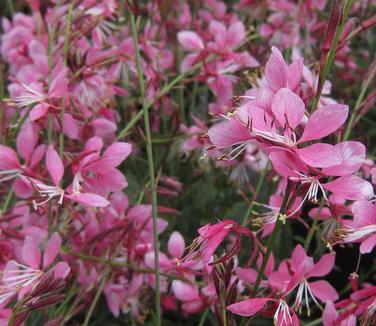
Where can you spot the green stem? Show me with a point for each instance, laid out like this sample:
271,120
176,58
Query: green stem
332,52
149,150
147,106
359,102
10,7
7,200
204,316
273,237
257,190
96,298
65,55
314,225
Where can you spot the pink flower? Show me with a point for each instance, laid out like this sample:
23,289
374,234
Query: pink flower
55,168
211,236
361,229
22,277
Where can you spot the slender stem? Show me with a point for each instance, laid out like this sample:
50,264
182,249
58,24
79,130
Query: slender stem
359,101
257,190
331,55
203,317
2,81
7,200
96,298
314,225
140,114
10,7
65,55
272,238
149,150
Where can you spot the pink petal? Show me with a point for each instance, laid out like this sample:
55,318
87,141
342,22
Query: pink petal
58,87
61,270
247,275
287,164
221,87
228,133
235,34
71,126
319,155
8,158
364,214
30,252
38,111
350,187
90,199
323,266
323,290
368,244
295,73
297,257
27,139
248,307
324,121
190,41
330,314
276,70
288,105
52,249
54,165
353,155
176,245
116,153
184,291
188,62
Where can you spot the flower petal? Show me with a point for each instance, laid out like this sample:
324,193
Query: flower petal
248,307
276,70
320,155
353,154
52,249
54,165
323,290
176,245
190,40
288,106
350,187
324,121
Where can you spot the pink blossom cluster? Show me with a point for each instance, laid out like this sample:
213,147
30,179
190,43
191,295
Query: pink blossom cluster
93,202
